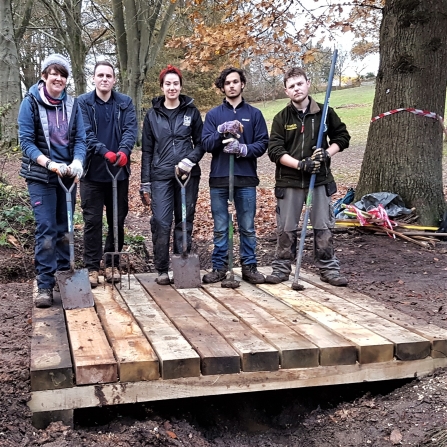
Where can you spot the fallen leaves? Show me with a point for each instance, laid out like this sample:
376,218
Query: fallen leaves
396,437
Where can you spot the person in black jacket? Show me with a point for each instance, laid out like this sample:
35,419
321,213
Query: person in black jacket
111,127
171,147
52,139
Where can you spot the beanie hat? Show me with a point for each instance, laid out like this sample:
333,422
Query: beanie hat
167,70
56,58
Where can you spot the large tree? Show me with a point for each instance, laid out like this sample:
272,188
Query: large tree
404,151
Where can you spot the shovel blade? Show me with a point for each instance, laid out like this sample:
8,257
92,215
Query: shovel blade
75,289
186,271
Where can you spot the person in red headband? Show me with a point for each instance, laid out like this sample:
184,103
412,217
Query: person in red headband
171,147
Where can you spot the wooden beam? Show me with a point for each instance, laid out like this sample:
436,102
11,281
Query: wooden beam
256,354
51,365
135,356
295,350
176,356
92,355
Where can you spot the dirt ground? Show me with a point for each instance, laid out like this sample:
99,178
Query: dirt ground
399,274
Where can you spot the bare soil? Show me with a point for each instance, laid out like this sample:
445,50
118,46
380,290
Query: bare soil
399,274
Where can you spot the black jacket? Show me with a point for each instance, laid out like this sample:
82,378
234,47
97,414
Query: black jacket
296,137
166,141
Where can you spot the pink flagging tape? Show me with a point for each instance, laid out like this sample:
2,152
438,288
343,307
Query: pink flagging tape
420,112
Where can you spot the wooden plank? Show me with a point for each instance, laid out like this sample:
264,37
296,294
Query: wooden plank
176,356
135,356
370,346
50,366
217,356
255,353
92,355
334,349
436,334
156,390
295,350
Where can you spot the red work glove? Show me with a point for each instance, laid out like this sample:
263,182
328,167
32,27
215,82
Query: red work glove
110,157
121,159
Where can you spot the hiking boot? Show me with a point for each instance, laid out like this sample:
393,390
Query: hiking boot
334,278
44,298
250,274
93,277
163,279
214,276
276,278
112,274
56,287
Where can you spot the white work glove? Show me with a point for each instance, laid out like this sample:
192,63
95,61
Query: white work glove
76,169
61,169
184,168
232,146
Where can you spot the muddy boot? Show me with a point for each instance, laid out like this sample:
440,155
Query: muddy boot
250,274
44,298
163,279
276,278
333,278
214,276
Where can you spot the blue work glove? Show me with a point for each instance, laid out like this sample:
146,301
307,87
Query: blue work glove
232,146
308,165
145,193
233,127
76,169
183,168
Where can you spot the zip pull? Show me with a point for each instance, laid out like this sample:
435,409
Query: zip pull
302,128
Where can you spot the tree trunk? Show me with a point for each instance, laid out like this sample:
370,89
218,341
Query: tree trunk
404,151
10,94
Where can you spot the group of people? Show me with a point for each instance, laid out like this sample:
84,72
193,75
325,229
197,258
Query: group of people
91,138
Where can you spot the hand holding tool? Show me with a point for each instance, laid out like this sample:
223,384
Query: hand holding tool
233,127
309,165
232,146
61,169
183,168
76,169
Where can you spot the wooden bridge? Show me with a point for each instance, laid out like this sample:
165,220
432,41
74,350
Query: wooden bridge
144,342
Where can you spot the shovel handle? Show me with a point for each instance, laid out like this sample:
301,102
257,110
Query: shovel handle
183,196
69,204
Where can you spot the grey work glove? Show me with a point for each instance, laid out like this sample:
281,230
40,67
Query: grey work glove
321,155
61,169
308,165
76,169
233,127
145,193
183,168
232,146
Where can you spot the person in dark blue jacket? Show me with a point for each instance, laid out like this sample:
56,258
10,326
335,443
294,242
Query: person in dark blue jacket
111,127
171,147
52,139
250,144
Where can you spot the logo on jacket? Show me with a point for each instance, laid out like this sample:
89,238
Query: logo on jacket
186,120
290,127
245,119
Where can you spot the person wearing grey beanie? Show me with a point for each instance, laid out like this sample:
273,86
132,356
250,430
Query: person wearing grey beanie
52,139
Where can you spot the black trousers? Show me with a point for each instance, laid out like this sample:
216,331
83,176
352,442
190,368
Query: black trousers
166,204
94,197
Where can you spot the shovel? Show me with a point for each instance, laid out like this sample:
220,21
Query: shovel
74,285
185,267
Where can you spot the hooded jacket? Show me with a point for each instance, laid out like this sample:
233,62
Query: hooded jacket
167,140
298,137
34,133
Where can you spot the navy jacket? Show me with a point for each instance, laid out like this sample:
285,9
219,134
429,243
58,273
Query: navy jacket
166,140
125,128
255,136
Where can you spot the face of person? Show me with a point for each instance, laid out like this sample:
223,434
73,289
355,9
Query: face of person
233,86
55,83
171,86
104,79
297,89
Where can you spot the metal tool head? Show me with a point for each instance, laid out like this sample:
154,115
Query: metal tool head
186,271
75,290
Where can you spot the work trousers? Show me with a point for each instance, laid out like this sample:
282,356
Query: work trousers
51,251
94,197
166,206
288,213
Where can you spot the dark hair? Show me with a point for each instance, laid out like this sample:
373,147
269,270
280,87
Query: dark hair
106,63
220,81
170,69
294,72
58,68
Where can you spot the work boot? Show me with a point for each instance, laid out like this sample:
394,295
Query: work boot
333,278
214,276
112,274
250,274
276,278
93,277
56,287
44,298
163,279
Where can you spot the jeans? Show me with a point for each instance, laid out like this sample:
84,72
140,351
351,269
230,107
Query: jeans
165,205
245,203
51,251
94,196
